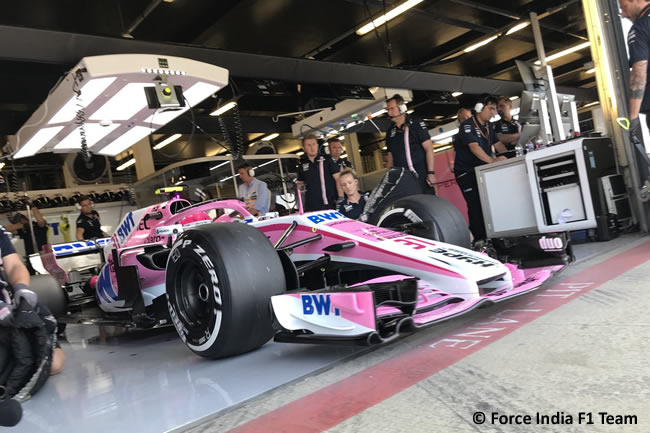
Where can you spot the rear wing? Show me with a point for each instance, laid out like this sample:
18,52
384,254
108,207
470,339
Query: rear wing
78,248
50,253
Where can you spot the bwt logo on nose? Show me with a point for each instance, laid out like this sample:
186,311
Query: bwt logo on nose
321,217
551,244
321,305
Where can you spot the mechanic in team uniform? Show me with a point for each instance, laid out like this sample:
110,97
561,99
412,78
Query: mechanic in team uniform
88,224
253,191
336,150
638,42
352,204
18,282
476,136
508,129
319,174
409,145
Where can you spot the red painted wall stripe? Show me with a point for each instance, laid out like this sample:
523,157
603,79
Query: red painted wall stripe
337,402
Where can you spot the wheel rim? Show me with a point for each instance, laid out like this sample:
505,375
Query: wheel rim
193,296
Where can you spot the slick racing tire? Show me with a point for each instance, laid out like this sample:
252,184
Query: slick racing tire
219,282
434,218
50,293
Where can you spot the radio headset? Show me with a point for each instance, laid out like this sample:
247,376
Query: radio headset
481,103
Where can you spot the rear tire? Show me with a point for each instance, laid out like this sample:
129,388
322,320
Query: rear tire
220,279
442,221
50,293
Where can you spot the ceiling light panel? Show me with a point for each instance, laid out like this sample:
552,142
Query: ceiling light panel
124,105
38,140
126,140
113,97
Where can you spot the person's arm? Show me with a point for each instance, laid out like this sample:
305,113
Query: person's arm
262,201
16,271
638,45
80,233
335,170
339,190
500,147
478,151
39,217
638,78
430,159
424,138
508,138
13,228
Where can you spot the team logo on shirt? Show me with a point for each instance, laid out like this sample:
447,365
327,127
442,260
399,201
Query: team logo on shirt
468,129
305,166
631,36
348,207
393,131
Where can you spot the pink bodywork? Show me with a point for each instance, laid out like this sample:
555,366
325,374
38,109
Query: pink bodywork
134,233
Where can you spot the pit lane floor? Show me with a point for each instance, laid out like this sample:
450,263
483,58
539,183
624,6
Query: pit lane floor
587,355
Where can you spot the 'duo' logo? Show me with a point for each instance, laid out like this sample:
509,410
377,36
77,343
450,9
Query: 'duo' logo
551,244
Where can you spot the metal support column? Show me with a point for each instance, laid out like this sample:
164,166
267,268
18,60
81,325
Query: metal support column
353,152
612,76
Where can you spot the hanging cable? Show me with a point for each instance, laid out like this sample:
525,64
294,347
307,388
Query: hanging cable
80,115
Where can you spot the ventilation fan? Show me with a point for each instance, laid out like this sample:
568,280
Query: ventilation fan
87,171
261,148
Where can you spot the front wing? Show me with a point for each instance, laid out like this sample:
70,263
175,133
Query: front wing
383,309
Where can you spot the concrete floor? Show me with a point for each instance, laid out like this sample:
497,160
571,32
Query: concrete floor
578,345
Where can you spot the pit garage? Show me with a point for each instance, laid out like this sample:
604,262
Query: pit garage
307,216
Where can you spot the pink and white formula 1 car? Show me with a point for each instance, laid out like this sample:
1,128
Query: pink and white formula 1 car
228,287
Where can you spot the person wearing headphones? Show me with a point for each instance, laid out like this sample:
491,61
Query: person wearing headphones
88,224
336,150
254,192
508,129
409,144
474,142
319,174
354,201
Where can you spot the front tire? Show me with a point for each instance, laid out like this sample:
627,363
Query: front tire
441,221
219,282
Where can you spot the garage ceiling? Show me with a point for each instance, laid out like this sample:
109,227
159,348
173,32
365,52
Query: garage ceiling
425,39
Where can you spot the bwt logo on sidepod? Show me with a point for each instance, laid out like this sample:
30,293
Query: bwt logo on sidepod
125,229
551,244
322,217
321,305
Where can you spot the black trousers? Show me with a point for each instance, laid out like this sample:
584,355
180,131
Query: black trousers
469,187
